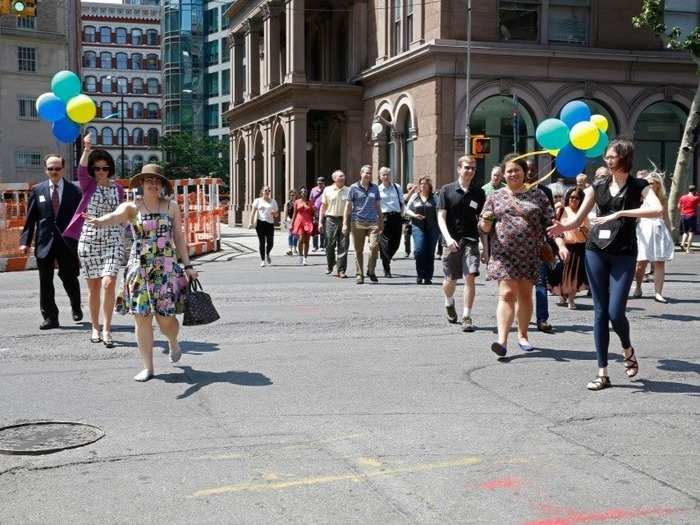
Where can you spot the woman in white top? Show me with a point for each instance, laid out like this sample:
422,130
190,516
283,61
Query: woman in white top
654,242
263,216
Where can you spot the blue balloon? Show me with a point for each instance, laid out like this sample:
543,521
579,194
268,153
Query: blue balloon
65,130
574,112
50,107
570,161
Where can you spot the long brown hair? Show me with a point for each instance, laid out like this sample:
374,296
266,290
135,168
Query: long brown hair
573,191
429,182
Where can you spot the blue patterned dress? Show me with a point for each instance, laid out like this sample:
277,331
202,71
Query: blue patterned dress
519,233
154,282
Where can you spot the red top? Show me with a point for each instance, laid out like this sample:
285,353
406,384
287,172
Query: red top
689,205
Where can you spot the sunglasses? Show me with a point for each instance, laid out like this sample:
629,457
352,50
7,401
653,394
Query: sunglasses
54,169
100,168
574,199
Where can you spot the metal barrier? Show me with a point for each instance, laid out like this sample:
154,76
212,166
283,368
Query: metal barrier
13,213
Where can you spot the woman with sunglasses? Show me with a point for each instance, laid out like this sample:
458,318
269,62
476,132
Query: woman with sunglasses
611,251
262,217
573,278
100,250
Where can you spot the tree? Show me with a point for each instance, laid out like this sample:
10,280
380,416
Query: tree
189,156
652,17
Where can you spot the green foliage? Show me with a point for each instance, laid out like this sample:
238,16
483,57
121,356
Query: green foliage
191,156
652,17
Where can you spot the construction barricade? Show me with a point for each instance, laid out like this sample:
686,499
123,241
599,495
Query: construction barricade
13,213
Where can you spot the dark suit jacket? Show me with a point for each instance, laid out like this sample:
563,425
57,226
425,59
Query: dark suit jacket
40,216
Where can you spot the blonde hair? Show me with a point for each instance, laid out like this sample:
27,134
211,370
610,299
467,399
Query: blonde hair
660,190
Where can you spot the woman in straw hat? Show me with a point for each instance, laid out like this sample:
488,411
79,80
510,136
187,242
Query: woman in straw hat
154,282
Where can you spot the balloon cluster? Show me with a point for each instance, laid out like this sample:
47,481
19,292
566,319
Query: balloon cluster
65,107
574,137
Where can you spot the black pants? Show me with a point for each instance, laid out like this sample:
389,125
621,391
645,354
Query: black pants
336,239
65,253
390,239
266,236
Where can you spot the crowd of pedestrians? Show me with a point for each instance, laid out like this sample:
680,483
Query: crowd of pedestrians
594,237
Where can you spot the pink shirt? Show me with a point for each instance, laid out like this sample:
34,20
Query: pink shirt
88,185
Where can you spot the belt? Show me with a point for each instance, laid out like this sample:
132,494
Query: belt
392,213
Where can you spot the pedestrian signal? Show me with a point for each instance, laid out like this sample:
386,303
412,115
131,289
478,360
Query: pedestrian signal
481,146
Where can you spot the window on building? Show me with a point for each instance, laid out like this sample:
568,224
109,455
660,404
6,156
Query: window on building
26,59
122,85
226,82
225,51
120,35
519,19
152,110
173,53
211,20
107,136
152,62
26,108
224,119
122,137
137,110
172,82
172,20
212,116
407,151
172,115
137,61
657,135
26,22
137,86
89,59
569,21
683,14
90,84
225,21
152,86
105,85
136,37
137,163
106,109
122,165
122,61
152,37
88,34
212,53
105,35
212,83
92,131
137,137
153,158
153,137
27,160
408,33
396,27
106,60
123,109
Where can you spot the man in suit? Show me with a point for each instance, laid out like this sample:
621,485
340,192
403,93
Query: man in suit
52,205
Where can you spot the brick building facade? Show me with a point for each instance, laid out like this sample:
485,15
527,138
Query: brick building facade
310,78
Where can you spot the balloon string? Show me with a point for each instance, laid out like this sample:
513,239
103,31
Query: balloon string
539,181
531,154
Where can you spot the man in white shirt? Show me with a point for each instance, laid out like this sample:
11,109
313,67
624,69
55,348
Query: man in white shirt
392,209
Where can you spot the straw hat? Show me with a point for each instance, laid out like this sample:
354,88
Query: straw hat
151,170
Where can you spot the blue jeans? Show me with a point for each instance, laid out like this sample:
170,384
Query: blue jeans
610,278
541,306
424,241
292,240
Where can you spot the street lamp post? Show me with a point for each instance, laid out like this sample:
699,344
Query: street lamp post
121,129
467,129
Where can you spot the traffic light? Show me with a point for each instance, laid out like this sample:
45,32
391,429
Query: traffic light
23,7
481,146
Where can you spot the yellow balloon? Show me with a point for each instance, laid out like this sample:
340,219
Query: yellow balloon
553,152
81,109
584,135
600,121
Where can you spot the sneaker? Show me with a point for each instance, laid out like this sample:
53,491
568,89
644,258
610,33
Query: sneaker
360,279
301,260
329,271
268,260
451,313
314,250
263,264
525,345
304,262
289,252
373,277
544,326
467,324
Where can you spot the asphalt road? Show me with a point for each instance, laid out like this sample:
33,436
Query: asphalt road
315,400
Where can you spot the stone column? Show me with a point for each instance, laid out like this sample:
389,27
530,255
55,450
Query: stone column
296,36
238,80
354,140
232,170
252,58
250,174
271,34
267,153
357,32
296,148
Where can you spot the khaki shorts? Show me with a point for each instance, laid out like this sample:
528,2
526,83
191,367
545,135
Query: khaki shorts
462,262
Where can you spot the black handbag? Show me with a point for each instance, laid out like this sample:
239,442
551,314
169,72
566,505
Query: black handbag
198,306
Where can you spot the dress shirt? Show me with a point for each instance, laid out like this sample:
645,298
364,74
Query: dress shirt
391,198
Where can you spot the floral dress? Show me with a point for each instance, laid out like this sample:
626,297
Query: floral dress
154,282
519,233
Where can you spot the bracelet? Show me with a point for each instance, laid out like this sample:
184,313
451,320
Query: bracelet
189,267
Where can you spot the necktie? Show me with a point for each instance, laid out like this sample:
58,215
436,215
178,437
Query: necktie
55,203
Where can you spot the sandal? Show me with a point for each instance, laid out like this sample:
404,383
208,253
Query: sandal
599,383
631,365
97,339
107,339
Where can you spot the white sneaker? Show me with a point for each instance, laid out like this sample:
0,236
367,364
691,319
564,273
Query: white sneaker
268,260
301,260
263,264
304,262
143,375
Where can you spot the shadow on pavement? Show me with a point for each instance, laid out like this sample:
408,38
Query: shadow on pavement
676,365
676,317
662,387
198,379
563,356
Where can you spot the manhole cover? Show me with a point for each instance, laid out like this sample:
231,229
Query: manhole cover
45,437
